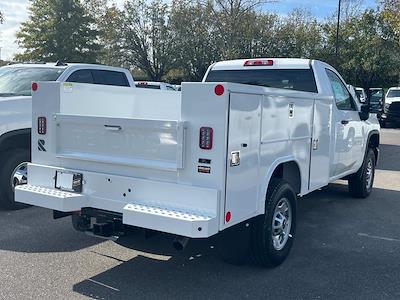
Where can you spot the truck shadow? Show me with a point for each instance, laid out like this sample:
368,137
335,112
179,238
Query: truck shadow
332,243
33,230
389,157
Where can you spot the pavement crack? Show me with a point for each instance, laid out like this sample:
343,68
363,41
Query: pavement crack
378,237
108,256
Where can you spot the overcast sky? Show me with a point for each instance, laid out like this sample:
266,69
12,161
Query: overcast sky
15,12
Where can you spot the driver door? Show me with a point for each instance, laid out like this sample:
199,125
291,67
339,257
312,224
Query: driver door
347,133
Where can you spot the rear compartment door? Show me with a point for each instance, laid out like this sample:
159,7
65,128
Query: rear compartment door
320,145
243,156
154,144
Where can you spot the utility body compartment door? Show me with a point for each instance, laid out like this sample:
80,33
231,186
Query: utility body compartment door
243,156
320,144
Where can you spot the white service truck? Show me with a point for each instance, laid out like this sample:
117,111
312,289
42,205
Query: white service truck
230,154
16,113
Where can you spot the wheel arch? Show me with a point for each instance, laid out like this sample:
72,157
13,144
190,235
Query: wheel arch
20,138
286,168
373,143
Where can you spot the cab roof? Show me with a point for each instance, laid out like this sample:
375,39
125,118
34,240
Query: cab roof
271,63
52,65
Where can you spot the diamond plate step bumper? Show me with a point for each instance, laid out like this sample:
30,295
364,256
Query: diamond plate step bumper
171,220
44,197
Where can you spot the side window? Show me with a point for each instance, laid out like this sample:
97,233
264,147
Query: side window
340,92
81,76
110,78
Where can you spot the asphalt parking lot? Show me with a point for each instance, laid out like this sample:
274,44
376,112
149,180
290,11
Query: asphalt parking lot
345,249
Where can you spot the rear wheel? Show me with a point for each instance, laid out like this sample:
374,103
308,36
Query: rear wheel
273,233
361,183
13,172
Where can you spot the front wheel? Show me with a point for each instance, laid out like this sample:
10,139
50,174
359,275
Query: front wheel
273,233
361,183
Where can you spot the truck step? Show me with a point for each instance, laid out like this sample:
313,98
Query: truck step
42,196
172,220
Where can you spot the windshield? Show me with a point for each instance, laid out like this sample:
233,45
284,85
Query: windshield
16,81
293,79
393,93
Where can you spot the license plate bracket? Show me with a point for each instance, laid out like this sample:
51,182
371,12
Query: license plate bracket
68,181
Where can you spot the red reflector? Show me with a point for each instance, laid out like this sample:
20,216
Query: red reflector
42,125
206,138
34,86
219,90
259,62
228,216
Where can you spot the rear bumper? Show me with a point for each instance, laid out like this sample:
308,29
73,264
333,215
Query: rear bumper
168,207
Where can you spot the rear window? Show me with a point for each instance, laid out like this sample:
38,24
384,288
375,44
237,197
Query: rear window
296,79
99,77
393,93
81,76
109,78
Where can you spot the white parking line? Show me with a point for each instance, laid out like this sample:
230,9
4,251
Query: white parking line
105,285
379,237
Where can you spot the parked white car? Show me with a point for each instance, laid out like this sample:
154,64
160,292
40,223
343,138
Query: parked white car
155,85
228,156
16,113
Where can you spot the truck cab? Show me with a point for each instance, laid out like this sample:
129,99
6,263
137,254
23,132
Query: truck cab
230,154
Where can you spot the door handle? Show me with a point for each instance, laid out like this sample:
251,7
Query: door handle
344,122
113,127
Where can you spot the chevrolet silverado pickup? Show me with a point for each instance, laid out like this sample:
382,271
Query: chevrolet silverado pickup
227,158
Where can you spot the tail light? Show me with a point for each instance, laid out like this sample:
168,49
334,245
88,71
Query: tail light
34,86
259,62
42,125
206,138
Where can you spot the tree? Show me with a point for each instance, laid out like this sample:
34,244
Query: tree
108,23
58,30
1,18
236,24
391,12
146,37
194,38
368,55
296,35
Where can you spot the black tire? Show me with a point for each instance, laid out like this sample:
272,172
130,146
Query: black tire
262,249
359,184
11,159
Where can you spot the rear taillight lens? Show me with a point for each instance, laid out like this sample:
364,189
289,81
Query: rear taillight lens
206,138
42,125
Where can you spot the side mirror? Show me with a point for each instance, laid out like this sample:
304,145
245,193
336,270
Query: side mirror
364,112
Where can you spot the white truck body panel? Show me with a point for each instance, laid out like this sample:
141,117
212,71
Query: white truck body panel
143,160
